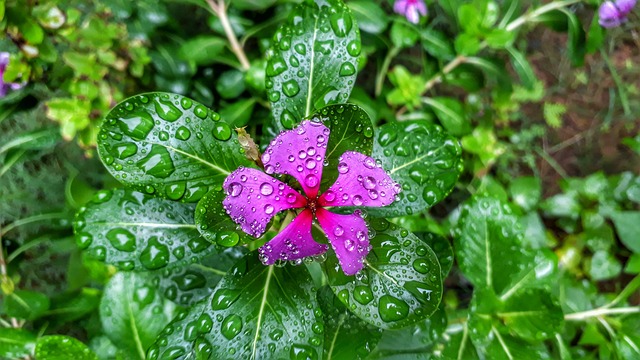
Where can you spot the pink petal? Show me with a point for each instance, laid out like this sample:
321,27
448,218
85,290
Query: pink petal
361,182
300,153
293,243
254,197
625,6
422,8
349,237
400,6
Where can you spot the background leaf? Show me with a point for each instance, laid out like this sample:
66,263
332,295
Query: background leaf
135,231
420,157
313,61
256,312
59,347
168,145
16,343
401,282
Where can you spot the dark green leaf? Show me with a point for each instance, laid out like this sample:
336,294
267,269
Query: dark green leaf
73,306
526,192
577,39
442,248
59,347
403,34
423,159
215,224
458,345
256,312
466,76
313,61
253,4
230,84
595,36
437,44
369,15
532,314
24,304
133,312
168,145
351,130
239,113
400,285
16,343
626,223
451,114
202,50
499,346
136,231
522,68
345,336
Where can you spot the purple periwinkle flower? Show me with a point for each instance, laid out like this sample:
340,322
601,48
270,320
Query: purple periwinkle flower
253,198
411,9
614,13
5,87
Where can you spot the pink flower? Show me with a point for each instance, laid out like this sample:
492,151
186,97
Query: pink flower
5,87
613,14
411,9
253,198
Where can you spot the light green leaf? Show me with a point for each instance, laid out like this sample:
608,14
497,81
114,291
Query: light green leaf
24,304
423,159
369,15
451,114
400,285
135,231
523,68
532,314
16,343
626,223
59,347
256,312
313,61
133,312
169,146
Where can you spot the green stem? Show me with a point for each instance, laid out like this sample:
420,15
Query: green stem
631,287
619,84
584,315
539,11
220,10
30,220
382,74
554,164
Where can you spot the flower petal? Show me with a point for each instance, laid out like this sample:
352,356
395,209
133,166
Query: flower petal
254,197
625,6
293,243
349,237
361,182
299,153
400,6
609,14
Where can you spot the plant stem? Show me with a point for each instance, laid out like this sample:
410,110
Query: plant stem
626,292
4,278
551,161
437,78
220,10
584,315
619,84
385,68
539,11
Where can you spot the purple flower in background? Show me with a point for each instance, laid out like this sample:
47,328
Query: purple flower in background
4,87
411,9
253,198
613,14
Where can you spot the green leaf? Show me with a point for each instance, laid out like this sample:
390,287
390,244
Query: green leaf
523,68
256,312
168,145
239,113
24,304
253,4
407,88
60,347
437,44
16,343
532,314
458,345
133,312
403,34
526,192
400,285
466,76
345,335
351,130
626,223
203,50
74,306
451,114
423,159
369,15
577,39
595,36
230,84
192,283
467,44
552,113
132,230
499,346
442,248
313,61
604,266
215,224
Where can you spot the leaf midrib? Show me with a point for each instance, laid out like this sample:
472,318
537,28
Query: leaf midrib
307,110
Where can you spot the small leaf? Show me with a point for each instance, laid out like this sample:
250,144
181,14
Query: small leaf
256,312
403,34
400,285
59,347
203,50
523,68
604,266
16,343
437,44
369,15
526,192
532,315
345,336
251,149
313,61
626,223
168,146
553,113
442,248
24,304
238,113
132,230
423,159
451,114
577,38
133,312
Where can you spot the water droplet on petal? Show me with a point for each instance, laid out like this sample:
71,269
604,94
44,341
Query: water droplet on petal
235,189
266,189
357,200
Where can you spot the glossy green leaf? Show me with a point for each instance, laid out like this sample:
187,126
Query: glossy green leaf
442,248
72,307
16,343
168,146
215,224
532,314
369,15
60,347
203,50
133,312
626,223
595,36
345,336
135,231
256,312
400,285
24,304
423,159
351,130
230,84
451,114
313,61
189,284
239,113
497,346
523,68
